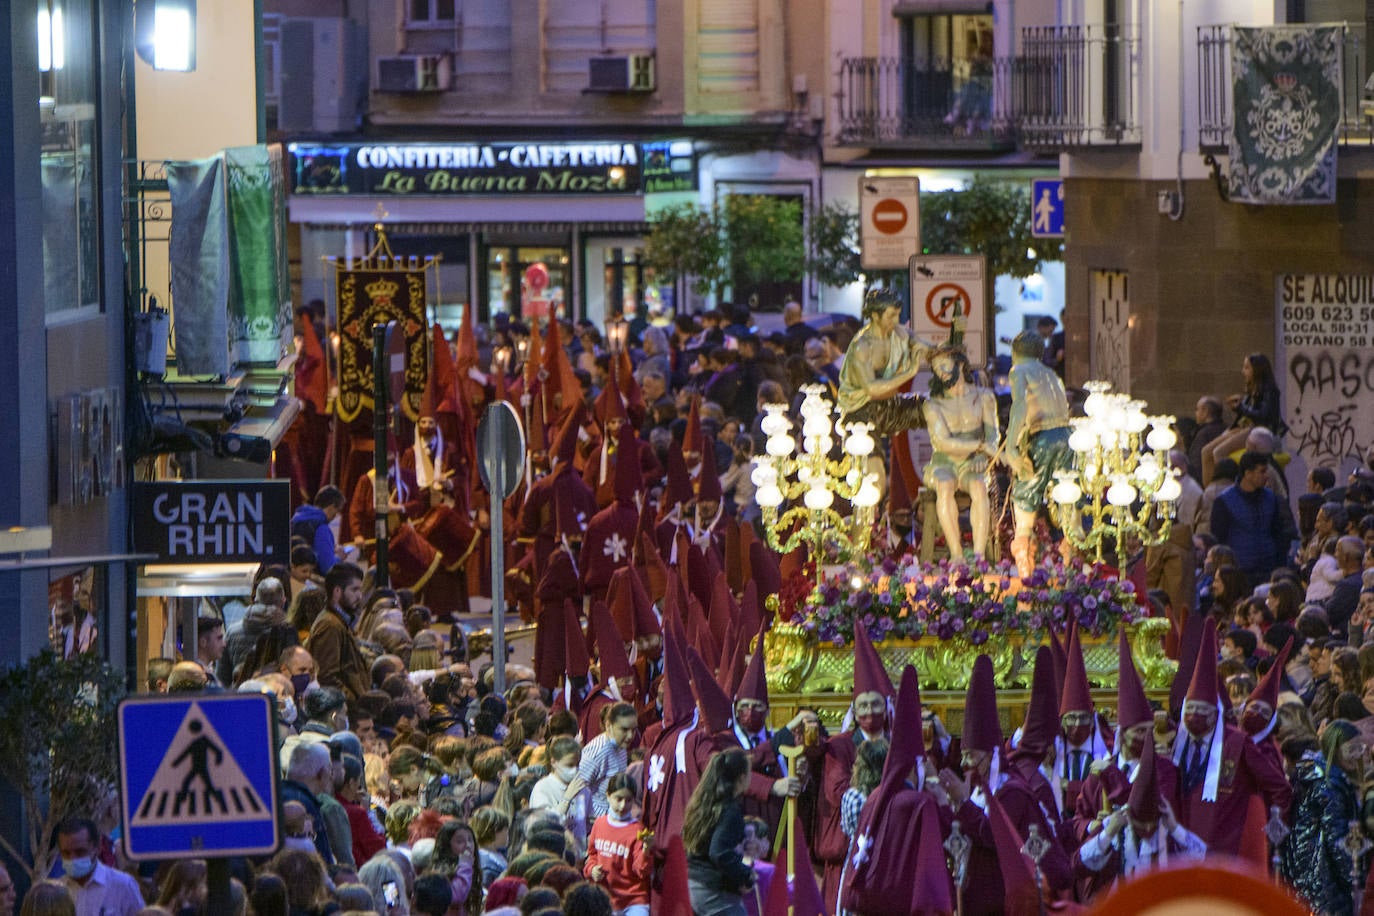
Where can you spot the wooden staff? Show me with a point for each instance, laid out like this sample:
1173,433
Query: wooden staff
790,754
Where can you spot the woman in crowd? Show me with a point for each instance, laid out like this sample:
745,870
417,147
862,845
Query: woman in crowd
1257,406
712,832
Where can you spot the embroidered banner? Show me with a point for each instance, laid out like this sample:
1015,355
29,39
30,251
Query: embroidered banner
1286,110
367,297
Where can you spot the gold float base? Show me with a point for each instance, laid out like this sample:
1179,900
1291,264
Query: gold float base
803,673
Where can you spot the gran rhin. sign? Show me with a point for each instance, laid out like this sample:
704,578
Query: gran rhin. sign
429,169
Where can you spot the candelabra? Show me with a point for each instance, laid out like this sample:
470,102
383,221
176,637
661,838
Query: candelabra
1122,489
785,474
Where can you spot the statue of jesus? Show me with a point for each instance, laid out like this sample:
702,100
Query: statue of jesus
962,418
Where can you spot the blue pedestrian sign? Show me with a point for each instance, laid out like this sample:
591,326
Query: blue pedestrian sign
1047,208
198,775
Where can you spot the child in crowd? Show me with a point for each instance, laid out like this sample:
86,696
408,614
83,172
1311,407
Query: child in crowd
618,853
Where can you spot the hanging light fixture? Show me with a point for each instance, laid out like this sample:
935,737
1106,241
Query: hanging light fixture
165,33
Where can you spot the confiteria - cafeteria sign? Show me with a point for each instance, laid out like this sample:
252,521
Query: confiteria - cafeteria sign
444,169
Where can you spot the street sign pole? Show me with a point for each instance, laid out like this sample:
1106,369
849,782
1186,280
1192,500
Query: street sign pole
501,447
381,490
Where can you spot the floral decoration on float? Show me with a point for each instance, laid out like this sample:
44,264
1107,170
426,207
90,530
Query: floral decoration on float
941,616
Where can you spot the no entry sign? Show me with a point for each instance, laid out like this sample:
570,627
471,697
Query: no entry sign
890,224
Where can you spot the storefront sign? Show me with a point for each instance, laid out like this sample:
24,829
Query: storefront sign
669,165
490,169
213,521
1326,368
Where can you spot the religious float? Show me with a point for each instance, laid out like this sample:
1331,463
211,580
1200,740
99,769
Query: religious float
1113,487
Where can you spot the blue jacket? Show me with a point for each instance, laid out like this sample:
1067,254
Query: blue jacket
312,520
1254,526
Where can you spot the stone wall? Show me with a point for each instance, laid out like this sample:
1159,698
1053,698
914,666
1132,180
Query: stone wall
1202,289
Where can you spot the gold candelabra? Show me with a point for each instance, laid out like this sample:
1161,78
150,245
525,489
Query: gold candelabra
1122,489
785,474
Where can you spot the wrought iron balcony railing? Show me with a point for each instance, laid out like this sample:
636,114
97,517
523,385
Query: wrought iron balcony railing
932,103
1078,86
1214,88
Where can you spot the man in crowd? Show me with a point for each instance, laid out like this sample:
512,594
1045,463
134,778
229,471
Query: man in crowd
332,643
1247,518
97,889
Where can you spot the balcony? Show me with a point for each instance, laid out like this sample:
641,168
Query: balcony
1214,89
926,104
1077,87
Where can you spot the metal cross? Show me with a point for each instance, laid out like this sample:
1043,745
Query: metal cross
959,847
1355,845
1036,846
1276,830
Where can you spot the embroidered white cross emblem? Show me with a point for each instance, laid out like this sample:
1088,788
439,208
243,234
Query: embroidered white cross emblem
657,772
616,547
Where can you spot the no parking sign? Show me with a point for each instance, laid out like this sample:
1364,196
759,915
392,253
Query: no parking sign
943,287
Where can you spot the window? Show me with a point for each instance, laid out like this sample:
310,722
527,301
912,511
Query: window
68,76
423,11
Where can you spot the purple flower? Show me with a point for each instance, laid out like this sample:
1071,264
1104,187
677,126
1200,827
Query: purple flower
1128,587
978,637
980,613
958,625
838,640
889,565
868,620
1089,602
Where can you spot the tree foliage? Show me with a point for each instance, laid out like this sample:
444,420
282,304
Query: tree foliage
764,239
58,745
833,234
684,242
990,217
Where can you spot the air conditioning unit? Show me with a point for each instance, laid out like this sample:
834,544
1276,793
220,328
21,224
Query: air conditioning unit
414,73
621,73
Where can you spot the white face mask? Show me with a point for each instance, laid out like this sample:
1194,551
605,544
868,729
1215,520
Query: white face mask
288,711
301,843
567,774
513,770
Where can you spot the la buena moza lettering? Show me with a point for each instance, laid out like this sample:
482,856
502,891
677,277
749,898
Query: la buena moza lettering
548,181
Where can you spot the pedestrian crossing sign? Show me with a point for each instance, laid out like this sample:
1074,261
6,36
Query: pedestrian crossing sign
198,775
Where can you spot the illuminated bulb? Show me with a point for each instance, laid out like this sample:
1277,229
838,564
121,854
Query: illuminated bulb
1162,436
1120,493
816,426
764,474
775,423
769,497
1083,439
868,494
856,582
1136,421
1097,400
1169,491
818,498
860,443
1066,492
1147,470
780,446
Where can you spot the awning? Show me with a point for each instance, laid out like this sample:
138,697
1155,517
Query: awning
397,230
475,211
942,8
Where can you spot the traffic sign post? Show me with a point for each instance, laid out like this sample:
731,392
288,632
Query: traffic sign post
944,286
501,463
198,780
1047,208
889,222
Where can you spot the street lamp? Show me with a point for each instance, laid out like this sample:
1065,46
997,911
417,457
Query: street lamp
785,474
617,333
1122,488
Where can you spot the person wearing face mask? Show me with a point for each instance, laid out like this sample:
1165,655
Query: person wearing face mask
1259,717
1081,744
563,791
325,711
1114,777
769,781
833,758
94,886
1141,836
1220,768
298,667
985,777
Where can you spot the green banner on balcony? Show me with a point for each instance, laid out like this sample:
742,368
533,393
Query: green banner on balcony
1286,111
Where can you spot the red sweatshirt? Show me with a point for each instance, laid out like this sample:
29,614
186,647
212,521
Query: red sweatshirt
615,846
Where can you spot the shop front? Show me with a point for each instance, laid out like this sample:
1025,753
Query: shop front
524,228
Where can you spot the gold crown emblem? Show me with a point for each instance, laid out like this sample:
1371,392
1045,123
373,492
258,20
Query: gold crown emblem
382,288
